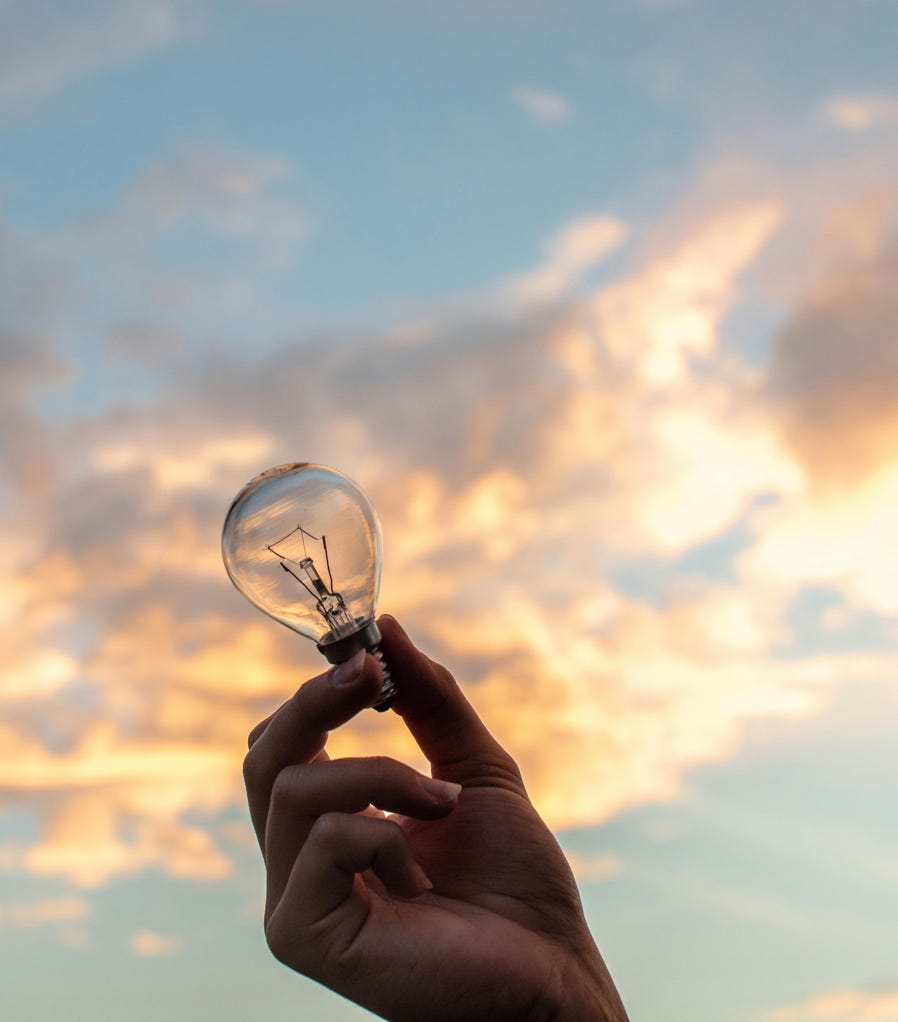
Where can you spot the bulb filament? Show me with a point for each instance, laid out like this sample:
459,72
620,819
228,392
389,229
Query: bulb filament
328,602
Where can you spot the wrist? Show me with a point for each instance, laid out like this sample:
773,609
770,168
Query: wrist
588,994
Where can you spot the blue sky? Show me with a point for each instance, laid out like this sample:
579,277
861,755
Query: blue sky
598,303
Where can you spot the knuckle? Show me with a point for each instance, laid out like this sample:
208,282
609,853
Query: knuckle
285,788
328,828
256,733
288,790
392,834
503,770
300,697
445,677
307,711
381,767
508,763
251,769
279,941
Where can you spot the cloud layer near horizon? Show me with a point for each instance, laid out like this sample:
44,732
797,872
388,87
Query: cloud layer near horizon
534,452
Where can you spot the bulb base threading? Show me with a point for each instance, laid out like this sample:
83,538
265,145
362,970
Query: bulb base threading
367,637
388,687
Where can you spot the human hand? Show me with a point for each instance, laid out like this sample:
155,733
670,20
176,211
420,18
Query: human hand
457,907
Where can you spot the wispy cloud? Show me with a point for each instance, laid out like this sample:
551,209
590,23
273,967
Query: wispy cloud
521,460
858,112
43,912
834,370
49,45
842,1006
201,190
230,192
149,944
591,869
543,105
570,254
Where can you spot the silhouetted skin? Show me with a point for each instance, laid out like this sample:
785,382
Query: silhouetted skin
459,907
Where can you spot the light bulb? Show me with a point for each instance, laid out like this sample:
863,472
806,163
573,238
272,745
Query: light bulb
302,542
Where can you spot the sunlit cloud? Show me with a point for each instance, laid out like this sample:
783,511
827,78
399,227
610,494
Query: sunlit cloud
846,541
669,312
523,460
594,869
834,370
569,255
172,470
842,1006
858,112
43,912
544,106
149,944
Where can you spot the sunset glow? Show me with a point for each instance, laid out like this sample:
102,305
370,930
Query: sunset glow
599,304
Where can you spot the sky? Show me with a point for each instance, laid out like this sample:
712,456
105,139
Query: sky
598,301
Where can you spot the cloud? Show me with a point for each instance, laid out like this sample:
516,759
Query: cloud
35,301
857,112
845,541
525,456
192,468
842,1006
242,198
570,254
43,912
111,806
543,106
671,311
148,944
594,869
834,372
830,392
49,45
228,192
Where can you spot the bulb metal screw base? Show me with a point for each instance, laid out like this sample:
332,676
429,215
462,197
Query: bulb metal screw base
336,651
388,688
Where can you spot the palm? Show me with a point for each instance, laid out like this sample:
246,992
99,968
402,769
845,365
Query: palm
493,852
485,941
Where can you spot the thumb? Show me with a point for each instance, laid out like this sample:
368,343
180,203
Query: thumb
444,724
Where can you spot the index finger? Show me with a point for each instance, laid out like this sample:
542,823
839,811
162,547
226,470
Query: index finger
444,724
297,732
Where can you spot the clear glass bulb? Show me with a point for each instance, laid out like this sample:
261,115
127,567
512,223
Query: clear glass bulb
303,543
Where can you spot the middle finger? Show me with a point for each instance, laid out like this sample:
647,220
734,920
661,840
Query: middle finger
304,792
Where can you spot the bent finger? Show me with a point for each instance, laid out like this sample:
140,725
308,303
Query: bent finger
323,886
303,793
297,732
444,724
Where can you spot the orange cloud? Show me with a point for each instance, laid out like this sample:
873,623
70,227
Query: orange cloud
149,944
842,1005
43,912
517,467
858,112
573,251
669,312
834,374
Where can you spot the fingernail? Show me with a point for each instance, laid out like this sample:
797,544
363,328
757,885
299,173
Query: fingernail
443,791
349,671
